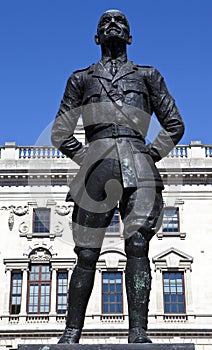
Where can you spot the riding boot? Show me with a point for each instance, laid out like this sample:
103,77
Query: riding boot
138,284
80,289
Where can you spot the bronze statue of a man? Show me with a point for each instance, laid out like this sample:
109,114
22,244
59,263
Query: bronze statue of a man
116,99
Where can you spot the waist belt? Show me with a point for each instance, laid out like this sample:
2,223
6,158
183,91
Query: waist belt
114,131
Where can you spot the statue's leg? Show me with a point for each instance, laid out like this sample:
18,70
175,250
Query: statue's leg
138,285
89,222
80,288
88,238
140,224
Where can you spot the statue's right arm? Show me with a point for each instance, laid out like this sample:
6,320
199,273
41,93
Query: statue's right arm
66,120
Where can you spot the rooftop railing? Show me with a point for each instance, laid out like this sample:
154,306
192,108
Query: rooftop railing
11,151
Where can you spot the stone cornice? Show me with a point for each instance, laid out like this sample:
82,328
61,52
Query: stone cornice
45,177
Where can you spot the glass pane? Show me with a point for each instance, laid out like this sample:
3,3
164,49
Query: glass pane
174,308
114,224
105,308
34,273
105,297
180,298
179,289
181,308
167,308
112,288
112,308
45,270
105,287
112,298
33,298
166,289
172,276
167,298
173,289
179,276
119,308
173,298
112,277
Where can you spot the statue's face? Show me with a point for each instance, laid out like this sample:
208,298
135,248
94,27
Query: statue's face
113,25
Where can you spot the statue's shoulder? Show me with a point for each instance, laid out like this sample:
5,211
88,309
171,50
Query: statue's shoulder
85,70
148,71
145,67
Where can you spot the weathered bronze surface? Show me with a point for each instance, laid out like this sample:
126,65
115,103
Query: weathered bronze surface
109,347
116,99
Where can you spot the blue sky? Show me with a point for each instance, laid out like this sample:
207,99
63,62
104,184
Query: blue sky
43,42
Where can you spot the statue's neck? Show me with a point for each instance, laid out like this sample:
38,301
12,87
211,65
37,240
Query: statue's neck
114,50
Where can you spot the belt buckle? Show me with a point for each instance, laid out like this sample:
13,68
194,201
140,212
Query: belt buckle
115,130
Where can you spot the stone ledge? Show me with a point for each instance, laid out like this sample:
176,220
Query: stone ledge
185,346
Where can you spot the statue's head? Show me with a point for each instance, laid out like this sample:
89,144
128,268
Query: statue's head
113,24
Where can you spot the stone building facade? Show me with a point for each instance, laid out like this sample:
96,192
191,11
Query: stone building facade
37,258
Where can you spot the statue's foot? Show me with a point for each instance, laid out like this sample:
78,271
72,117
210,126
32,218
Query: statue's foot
70,336
138,335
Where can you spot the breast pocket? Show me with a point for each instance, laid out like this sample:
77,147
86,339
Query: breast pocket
92,93
135,93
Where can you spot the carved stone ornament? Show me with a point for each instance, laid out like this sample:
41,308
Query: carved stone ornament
40,254
58,227
70,222
11,220
20,211
63,209
24,227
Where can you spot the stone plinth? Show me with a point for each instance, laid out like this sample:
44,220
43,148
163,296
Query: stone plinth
109,347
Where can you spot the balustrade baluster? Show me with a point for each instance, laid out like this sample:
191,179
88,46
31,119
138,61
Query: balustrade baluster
20,153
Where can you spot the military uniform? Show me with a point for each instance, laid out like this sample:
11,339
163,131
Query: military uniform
116,166
116,112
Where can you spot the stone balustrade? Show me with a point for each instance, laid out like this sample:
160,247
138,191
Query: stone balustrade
11,151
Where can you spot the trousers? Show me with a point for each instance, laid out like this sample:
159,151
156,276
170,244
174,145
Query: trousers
141,213
141,208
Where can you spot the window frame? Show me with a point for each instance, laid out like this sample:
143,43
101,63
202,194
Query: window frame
167,230
39,282
169,272
57,292
15,272
116,223
34,222
109,303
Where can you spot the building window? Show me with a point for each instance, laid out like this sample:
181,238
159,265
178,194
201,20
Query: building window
62,287
39,286
41,220
171,220
173,292
15,294
115,223
112,292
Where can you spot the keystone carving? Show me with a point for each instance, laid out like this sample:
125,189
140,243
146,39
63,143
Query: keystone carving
63,209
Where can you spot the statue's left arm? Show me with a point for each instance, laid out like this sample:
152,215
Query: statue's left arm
164,107
66,120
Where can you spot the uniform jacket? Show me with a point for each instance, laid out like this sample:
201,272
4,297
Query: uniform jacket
116,112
